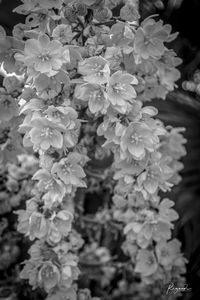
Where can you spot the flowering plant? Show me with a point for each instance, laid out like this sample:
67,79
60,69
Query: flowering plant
83,78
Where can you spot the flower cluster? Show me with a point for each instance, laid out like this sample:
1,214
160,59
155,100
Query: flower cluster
82,65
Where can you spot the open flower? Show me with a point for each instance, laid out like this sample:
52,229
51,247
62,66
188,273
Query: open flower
69,170
37,226
49,184
48,276
43,55
138,138
167,252
45,134
62,115
120,89
150,179
146,263
63,221
95,95
63,32
150,38
166,212
95,70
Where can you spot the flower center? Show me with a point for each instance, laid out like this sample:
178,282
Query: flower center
46,132
135,138
118,87
150,261
7,103
164,253
44,57
48,272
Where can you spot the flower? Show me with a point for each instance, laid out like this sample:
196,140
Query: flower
129,12
137,138
8,107
146,263
166,213
95,95
47,87
167,252
43,55
45,134
150,179
54,188
94,70
120,89
150,38
37,226
69,170
63,221
48,276
63,33
62,115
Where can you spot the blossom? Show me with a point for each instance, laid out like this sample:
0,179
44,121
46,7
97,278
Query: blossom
150,38
150,179
8,107
138,138
94,70
146,263
63,221
62,115
43,55
95,95
166,213
120,89
37,226
63,33
167,252
45,134
48,276
129,12
47,87
69,170
52,186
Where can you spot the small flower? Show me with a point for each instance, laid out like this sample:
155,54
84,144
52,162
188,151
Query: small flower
166,213
102,14
94,70
63,33
120,89
129,12
37,226
63,116
63,221
47,87
48,276
43,55
150,179
49,184
167,252
146,263
138,138
8,108
150,38
45,134
95,95
69,170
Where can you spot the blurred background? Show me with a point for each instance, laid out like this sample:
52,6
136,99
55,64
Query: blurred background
180,109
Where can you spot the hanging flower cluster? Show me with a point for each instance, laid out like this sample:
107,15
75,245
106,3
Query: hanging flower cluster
82,63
